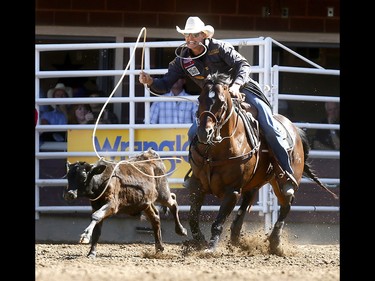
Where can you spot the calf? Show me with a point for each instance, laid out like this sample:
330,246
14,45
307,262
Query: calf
128,187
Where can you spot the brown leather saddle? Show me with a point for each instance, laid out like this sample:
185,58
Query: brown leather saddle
249,115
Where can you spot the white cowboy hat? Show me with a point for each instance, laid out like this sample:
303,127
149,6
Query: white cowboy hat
196,25
60,86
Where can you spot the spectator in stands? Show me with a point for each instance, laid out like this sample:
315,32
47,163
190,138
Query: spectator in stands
174,112
325,138
80,114
107,117
58,115
59,112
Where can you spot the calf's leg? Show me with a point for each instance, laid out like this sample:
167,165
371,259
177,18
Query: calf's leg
94,239
173,207
96,218
153,216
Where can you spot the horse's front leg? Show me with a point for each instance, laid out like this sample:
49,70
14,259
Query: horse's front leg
235,228
196,198
226,207
275,236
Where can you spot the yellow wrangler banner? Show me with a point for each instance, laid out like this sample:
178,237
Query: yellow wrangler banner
118,140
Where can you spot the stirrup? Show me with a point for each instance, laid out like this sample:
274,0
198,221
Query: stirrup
291,178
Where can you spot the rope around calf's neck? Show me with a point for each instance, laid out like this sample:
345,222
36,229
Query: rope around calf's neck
132,163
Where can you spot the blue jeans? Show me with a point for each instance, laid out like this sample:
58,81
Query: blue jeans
266,123
192,130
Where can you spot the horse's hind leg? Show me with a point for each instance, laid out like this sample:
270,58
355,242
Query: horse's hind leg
275,236
235,228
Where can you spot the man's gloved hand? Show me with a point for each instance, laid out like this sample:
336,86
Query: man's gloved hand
234,90
145,78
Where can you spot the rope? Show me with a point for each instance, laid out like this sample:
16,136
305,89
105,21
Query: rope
178,97
133,164
179,56
114,90
143,30
189,58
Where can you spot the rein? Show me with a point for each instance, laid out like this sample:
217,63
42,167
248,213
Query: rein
218,139
219,125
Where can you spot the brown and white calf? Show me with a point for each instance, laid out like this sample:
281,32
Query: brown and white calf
129,187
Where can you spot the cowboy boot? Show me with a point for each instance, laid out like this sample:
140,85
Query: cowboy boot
286,181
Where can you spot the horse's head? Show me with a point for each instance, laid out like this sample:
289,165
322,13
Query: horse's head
214,102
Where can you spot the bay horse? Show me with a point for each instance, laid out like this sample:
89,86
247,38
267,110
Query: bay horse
230,159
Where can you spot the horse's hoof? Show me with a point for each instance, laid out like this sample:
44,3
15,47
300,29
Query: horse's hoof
276,250
209,250
212,245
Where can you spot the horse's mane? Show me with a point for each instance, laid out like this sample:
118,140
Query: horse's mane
217,77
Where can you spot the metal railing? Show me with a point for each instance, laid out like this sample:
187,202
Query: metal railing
268,75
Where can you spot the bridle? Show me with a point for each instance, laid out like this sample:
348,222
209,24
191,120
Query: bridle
203,157
219,122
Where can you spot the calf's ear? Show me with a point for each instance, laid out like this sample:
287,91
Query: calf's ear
98,169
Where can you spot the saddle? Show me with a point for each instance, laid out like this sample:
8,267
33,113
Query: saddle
249,115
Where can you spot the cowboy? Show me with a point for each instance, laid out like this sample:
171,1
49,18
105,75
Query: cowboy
59,114
202,55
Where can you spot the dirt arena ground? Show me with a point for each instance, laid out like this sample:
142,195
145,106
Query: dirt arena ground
138,261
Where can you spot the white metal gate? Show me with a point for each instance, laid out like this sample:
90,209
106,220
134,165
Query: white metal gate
268,78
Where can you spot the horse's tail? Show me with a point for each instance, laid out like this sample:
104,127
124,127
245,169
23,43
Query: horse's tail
307,169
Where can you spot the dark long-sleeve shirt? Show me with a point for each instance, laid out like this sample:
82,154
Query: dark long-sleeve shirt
220,57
